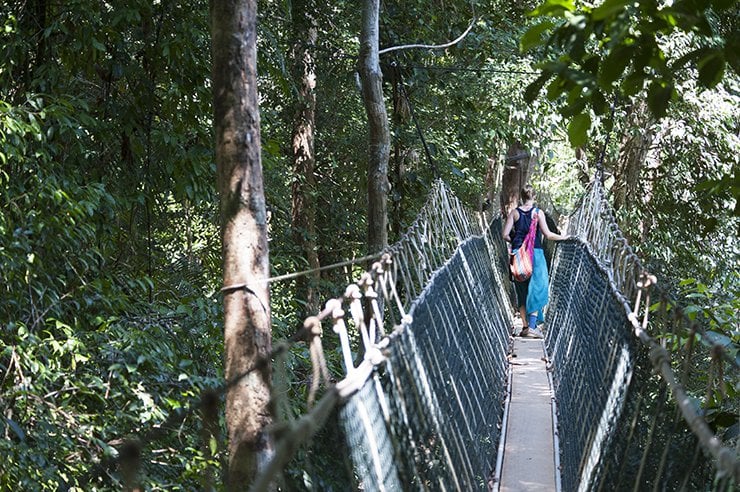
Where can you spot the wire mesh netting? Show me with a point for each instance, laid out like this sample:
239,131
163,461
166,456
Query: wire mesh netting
427,415
619,428
430,416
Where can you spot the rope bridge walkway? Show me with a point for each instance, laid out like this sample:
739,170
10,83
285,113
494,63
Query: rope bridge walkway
425,407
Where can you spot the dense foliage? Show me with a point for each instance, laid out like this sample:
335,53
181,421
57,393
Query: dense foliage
109,234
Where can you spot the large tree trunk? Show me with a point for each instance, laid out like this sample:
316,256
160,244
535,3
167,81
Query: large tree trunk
371,79
303,217
632,186
244,236
399,116
515,175
632,156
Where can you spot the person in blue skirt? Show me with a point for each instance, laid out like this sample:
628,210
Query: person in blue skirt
531,294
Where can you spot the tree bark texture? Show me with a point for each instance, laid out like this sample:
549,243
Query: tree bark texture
397,173
633,155
244,236
491,184
516,172
371,79
584,173
303,212
632,187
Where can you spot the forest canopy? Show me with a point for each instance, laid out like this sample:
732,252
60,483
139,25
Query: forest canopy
110,247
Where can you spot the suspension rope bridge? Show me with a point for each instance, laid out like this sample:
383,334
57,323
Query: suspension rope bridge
425,401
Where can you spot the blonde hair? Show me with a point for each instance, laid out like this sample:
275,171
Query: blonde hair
527,193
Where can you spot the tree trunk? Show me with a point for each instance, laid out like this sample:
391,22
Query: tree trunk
371,79
399,117
303,214
490,184
584,173
632,156
244,236
632,184
515,175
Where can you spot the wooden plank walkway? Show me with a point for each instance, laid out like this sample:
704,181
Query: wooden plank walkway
529,461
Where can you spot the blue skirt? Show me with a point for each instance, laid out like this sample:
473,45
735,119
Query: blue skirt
538,295
537,286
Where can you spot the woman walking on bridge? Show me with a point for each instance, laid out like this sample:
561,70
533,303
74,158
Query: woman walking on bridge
531,294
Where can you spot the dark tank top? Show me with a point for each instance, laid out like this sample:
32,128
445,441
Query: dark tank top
521,228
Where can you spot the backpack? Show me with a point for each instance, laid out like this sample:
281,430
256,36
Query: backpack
521,263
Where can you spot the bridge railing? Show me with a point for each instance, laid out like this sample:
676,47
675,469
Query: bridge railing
424,336
593,221
620,425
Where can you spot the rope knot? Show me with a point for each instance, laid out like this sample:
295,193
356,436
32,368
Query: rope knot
365,280
646,280
312,325
352,292
334,306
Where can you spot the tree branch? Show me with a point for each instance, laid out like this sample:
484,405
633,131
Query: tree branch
429,46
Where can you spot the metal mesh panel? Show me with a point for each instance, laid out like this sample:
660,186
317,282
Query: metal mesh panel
429,418
369,440
437,400
619,429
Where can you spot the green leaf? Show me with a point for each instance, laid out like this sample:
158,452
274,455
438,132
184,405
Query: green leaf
578,129
614,65
98,45
711,69
555,88
633,83
591,64
272,146
575,102
688,57
554,8
717,338
16,429
530,93
608,8
659,95
533,36
598,102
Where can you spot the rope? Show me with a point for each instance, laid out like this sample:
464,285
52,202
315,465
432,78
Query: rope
289,276
430,46
407,273
631,361
468,69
